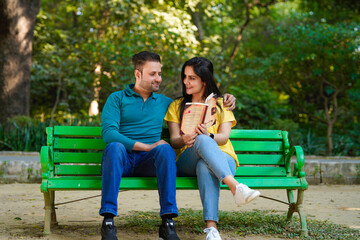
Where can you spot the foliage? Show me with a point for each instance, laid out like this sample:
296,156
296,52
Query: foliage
312,66
295,67
22,133
334,10
85,36
241,224
256,108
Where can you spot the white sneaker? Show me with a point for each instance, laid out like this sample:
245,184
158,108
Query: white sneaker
212,233
244,194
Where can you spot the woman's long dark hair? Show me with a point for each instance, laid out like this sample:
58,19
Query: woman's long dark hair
205,70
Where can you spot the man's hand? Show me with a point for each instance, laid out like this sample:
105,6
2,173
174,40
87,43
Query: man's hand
189,139
139,146
154,145
229,101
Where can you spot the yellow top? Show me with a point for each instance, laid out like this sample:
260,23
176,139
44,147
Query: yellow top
173,115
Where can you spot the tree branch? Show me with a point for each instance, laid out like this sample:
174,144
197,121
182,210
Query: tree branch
196,20
240,34
57,100
244,25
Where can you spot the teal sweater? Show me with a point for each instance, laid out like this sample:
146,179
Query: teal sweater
127,119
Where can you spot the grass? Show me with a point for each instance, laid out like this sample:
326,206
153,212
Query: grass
256,222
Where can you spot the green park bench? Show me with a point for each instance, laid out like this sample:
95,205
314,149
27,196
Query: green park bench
71,161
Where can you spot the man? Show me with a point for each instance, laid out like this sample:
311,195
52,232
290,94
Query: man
132,122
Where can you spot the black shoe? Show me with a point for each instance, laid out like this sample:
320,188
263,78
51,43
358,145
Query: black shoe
108,232
167,230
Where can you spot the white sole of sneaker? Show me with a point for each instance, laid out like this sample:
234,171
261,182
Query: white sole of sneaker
253,196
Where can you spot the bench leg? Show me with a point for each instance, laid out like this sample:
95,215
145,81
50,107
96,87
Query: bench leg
291,200
53,212
297,207
50,214
302,216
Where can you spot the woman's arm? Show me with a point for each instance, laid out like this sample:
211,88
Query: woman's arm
178,141
223,132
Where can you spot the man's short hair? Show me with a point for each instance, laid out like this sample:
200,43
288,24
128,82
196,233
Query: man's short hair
141,58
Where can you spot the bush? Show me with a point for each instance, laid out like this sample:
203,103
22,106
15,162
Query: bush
21,133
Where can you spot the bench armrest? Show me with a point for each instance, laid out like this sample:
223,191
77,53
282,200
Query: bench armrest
45,166
300,161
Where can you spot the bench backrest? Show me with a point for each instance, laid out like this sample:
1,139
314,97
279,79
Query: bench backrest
77,151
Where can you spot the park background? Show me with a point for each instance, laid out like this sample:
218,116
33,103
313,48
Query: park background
292,65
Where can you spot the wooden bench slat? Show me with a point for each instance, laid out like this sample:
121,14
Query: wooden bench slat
69,183
260,159
128,183
77,131
244,159
261,171
77,157
85,183
256,134
96,170
78,143
78,170
257,146
235,133
273,183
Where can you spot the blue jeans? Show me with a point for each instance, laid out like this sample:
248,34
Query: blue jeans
117,162
206,161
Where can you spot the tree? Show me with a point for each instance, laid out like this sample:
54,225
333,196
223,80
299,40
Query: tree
316,65
17,21
261,49
72,66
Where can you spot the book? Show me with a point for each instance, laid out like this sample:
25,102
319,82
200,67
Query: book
196,113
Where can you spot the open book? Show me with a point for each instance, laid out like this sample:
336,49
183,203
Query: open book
198,113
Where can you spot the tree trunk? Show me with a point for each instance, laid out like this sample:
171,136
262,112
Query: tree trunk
248,6
197,22
330,146
330,111
17,21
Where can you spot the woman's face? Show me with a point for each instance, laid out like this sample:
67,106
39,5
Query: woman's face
193,82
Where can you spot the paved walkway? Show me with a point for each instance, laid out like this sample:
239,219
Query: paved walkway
21,210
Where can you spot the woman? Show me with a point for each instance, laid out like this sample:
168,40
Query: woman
207,152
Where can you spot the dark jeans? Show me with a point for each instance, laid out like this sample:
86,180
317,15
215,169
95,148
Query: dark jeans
159,162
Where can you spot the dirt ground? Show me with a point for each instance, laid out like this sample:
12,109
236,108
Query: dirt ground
21,210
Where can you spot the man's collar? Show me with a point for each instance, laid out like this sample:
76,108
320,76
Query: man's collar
130,92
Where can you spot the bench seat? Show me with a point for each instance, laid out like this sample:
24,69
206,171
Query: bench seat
149,183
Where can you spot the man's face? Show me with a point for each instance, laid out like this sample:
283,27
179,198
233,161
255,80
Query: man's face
149,78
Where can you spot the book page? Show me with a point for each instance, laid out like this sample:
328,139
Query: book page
194,114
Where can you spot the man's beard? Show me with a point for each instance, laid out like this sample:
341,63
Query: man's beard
150,87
